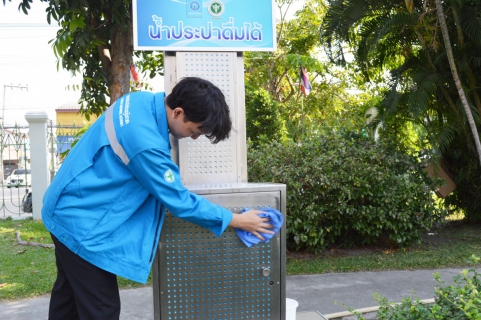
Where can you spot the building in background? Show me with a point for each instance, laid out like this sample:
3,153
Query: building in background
15,142
69,123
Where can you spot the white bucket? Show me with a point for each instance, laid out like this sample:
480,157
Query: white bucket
291,307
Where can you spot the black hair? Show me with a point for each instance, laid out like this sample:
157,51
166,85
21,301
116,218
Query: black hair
204,103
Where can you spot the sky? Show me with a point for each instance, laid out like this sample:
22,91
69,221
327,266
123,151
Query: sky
27,60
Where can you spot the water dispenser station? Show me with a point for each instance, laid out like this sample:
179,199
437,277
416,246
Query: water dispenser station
197,275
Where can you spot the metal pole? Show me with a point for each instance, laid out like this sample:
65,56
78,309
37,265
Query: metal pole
3,108
52,152
5,86
1,151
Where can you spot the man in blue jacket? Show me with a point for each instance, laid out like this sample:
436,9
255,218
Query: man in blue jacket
106,205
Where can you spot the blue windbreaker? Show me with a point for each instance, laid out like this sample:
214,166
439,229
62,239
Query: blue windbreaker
107,201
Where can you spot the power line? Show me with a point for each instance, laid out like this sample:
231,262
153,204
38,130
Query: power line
27,25
19,38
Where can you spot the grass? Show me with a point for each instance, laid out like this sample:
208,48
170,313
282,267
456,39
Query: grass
27,271
449,246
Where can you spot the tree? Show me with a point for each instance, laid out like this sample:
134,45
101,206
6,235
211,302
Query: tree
457,81
96,39
263,116
329,105
421,89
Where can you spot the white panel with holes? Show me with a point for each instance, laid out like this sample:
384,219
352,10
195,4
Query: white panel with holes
200,161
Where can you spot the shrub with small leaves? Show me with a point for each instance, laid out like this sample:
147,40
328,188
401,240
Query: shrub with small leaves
408,309
344,190
456,302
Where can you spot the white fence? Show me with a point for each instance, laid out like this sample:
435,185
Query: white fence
37,149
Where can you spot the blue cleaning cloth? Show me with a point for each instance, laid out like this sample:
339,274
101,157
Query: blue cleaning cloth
276,220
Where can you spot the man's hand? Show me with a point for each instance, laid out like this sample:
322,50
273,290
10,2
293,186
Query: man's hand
251,222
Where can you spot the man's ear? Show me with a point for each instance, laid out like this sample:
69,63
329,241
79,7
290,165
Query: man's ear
177,112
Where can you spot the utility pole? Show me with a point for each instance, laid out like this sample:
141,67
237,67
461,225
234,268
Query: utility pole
11,86
52,152
5,86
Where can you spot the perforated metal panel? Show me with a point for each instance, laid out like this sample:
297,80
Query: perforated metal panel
196,275
204,161
199,160
217,67
201,276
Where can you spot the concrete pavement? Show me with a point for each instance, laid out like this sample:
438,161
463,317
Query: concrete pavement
317,295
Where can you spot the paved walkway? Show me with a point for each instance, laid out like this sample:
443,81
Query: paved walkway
317,295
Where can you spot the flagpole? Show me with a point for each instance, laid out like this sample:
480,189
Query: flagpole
305,87
302,117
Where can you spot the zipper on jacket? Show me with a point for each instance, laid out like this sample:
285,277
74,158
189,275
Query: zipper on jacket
156,233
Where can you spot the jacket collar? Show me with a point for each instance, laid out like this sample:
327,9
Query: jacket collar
161,116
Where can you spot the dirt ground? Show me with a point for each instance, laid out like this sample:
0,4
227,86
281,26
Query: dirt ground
447,234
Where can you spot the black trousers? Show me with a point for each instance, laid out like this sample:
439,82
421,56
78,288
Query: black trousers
82,291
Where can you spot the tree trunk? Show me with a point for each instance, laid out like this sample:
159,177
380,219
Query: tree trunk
121,51
469,71
449,52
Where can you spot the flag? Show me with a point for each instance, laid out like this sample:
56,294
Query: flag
305,84
135,76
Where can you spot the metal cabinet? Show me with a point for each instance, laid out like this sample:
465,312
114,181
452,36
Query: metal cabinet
197,275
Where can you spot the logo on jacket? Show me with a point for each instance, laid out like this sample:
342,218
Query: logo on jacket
169,176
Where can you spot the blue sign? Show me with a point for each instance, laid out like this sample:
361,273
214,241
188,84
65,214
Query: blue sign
204,25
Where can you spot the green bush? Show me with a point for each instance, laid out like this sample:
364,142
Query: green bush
262,116
459,301
345,191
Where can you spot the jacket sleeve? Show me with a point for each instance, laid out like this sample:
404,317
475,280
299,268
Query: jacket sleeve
160,176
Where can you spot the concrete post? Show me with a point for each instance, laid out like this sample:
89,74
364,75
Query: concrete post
38,159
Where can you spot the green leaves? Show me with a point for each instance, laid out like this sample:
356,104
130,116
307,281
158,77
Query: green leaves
459,301
262,116
61,43
343,191
151,62
84,44
77,23
404,38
